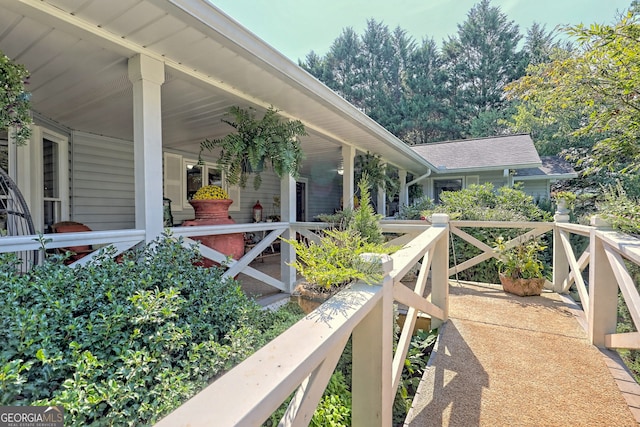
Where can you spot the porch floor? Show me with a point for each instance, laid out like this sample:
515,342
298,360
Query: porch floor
504,360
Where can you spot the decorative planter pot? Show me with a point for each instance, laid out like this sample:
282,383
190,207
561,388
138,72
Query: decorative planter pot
522,287
563,206
216,212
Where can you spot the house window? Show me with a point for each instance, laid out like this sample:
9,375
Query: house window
440,185
51,181
197,176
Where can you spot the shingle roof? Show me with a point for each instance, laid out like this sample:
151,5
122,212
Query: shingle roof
495,153
552,167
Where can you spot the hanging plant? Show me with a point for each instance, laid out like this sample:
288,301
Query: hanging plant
372,166
15,105
258,144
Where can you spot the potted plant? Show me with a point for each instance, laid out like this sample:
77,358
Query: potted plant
565,201
335,261
211,205
256,144
520,269
15,105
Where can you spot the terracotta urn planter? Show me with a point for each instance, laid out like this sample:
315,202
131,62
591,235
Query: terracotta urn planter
216,212
522,287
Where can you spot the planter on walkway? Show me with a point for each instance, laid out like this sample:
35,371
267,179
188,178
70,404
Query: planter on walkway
522,287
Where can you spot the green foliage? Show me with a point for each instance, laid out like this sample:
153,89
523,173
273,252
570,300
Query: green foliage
370,168
620,210
256,143
335,261
482,203
365,221
521,262
588,94
123,344
15,105
334,408
415,363
414,210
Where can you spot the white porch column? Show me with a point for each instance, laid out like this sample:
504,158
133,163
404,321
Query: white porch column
147,76
288,214
382,201
348,186
404,190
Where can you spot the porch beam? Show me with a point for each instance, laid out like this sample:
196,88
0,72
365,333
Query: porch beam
147,76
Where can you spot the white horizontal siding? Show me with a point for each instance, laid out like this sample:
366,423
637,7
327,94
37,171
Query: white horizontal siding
103,192
323,198
539,189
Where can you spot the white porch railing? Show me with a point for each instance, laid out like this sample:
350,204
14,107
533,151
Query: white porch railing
608,258
302,359
122,240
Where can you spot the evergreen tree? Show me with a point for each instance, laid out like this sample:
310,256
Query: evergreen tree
481,59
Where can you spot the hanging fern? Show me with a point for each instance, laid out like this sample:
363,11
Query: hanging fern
271,141
15,105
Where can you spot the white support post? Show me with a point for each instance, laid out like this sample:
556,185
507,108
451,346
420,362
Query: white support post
348,186
372,396
560,260
288,214
603,289
147,76
440,270
404,190
382,202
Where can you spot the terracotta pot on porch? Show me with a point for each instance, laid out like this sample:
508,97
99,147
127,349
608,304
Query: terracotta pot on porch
216,212
522,287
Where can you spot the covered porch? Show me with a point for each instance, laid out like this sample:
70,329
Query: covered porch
124,92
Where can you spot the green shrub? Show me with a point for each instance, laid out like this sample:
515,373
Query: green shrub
482,203
335,261
414,210
620,210
122,344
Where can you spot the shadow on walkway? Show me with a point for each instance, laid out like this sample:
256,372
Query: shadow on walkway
504,360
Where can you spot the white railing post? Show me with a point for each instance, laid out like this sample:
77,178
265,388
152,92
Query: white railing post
440,271
560,261
603,288
372,396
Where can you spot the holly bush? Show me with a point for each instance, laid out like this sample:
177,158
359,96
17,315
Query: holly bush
122,343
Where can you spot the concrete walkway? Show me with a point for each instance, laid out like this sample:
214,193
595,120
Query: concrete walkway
504,360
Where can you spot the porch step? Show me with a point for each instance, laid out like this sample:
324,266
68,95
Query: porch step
506,360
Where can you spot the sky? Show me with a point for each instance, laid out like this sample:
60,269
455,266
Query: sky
296,27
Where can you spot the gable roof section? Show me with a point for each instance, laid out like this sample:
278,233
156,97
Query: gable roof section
484,154
553,167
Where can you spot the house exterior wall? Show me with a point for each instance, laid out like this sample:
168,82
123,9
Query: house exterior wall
539,189
102,182
323,197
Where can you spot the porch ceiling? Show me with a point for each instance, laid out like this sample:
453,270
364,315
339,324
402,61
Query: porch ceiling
77,53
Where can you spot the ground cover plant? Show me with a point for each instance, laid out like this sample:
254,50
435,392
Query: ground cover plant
123,343
334,408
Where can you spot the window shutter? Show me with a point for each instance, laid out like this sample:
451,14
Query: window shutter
173,180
